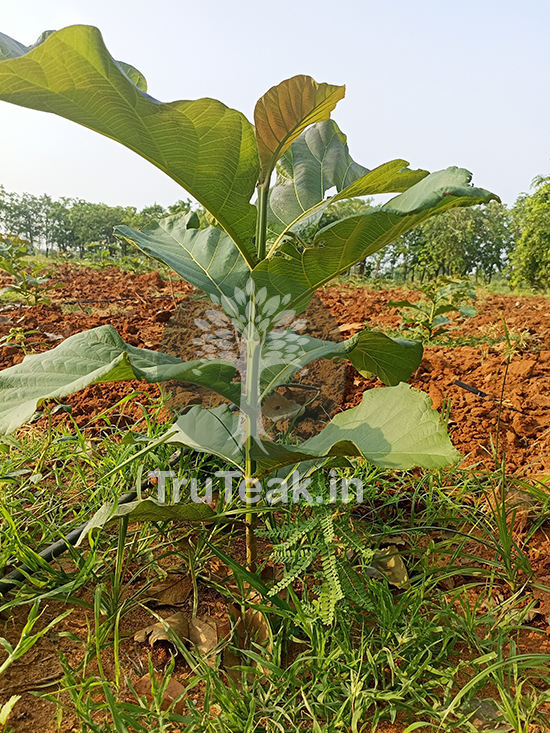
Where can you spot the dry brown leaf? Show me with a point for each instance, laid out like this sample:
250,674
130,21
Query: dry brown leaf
203,633
171,592
173,690
277,407
156,632
253,629
348,327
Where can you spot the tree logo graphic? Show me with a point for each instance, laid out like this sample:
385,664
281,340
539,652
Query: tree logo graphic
261,338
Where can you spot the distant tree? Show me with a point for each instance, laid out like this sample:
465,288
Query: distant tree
458,242
496,240
146,216
530,261
23,216
180,207
75,224
93,223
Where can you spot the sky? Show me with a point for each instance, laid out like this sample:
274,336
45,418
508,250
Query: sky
435,83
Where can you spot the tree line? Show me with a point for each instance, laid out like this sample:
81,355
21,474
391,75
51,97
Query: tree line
72,225
484,241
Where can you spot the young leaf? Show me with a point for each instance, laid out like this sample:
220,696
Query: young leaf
203,145
391,360
393,427
337,247
401,304
285,110
97,355
216,431
147,510
206,258
318,160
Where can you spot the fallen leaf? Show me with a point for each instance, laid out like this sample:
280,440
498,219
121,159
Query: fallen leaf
253,629
276,407
349,327
203,633
173,690
173,591
156,632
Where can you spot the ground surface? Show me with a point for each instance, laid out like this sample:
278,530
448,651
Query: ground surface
142,308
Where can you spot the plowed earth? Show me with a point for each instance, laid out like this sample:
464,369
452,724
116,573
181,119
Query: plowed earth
142,309
151,312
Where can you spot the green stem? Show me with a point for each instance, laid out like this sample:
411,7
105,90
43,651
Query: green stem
261,221
251,409
252,397
251,542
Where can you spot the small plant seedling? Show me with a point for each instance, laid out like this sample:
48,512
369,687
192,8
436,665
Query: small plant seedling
28,284
18,337
249,259
442,297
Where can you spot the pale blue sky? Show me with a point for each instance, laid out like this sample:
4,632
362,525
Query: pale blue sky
436,83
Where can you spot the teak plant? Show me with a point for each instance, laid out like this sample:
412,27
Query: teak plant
442,297
28,284
250,259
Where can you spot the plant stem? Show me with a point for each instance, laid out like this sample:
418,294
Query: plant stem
252,397
252,412
251,542
261,221
251,407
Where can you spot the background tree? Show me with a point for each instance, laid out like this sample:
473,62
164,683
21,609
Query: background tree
459,242
530,261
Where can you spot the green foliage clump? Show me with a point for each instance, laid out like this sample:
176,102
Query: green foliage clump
430,315
74,226
30,281
530,261
457,243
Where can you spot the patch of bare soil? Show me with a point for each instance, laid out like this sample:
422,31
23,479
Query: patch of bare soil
524,429
143,311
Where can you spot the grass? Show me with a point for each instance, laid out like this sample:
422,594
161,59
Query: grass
434,654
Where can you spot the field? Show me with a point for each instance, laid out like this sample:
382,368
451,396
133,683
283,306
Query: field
462,642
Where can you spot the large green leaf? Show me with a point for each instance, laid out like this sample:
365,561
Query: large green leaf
216,431
206,258
285,111
316,161
393,427
203,145
370,352
392,360
290,270
319,160
98,355
147,510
